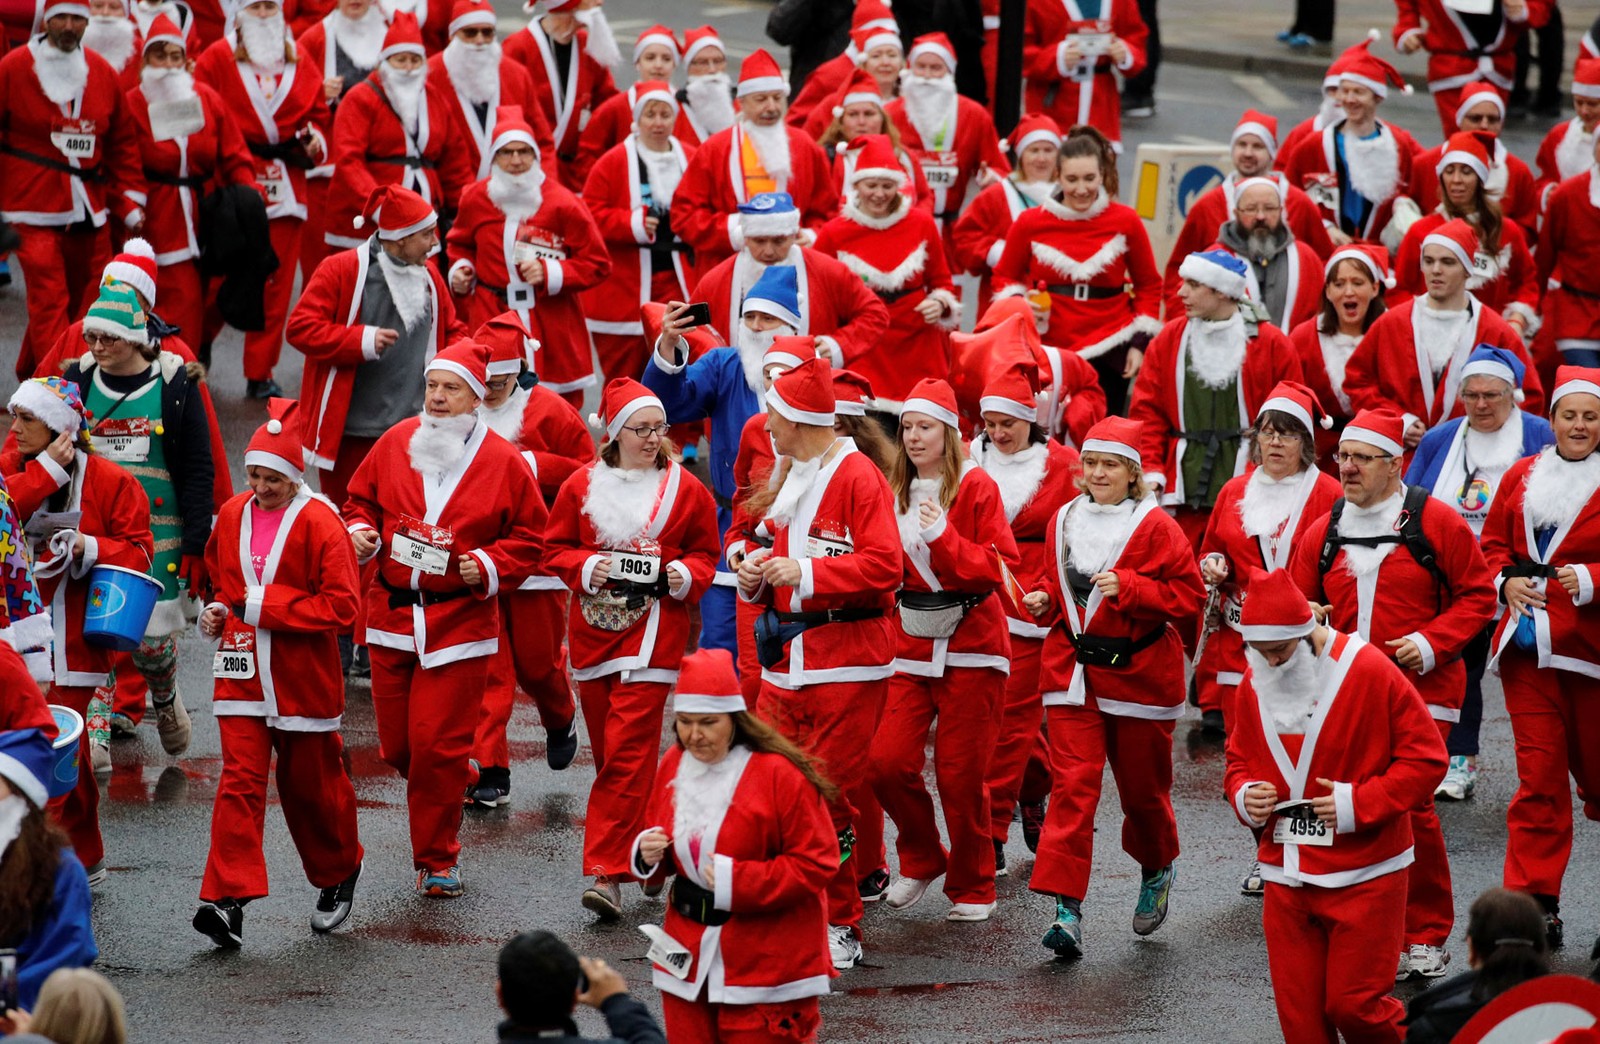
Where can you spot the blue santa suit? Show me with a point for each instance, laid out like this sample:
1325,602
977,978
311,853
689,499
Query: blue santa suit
1435,448
63,939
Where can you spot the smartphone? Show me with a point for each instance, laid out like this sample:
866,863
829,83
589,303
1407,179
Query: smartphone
10,996
698,314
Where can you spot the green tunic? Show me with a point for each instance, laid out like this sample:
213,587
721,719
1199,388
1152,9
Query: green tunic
1210,418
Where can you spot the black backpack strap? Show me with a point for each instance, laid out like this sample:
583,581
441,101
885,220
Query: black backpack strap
1330,539
1416,541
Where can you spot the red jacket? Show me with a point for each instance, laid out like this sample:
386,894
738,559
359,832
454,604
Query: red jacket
611,123
588,84
516,88
1455,57
949,166
1214,209
1054,88
977,239
1505,282
548,431
1030,496
1511,184
1313,165
1569,251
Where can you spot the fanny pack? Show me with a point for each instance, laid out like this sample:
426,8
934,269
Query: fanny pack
619,604
696,903
1094,651
934,614
775,630
1525,635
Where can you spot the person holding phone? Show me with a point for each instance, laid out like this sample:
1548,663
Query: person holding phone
541,981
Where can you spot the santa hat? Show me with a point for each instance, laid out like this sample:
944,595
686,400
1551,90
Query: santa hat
1013,392
468,360
511,125
509,343
851,393
873,14
63,7
404,37
1371,256
707,684
656,34
1381,428
760,73
804,395
622,398
776,293
860,89
788,352
1297,401
398,211
1488,361
1467,149
1276,610
1218,269
276,444
471,12
1586,78
1116,435
25,764
1261,125
1032,128
697,40
936,44
1474,93
135,266
117,313
1281,188
653,90
935,398
769,214
1571,380
544,7
55,401
876,159
1456,236
164,30
1360,65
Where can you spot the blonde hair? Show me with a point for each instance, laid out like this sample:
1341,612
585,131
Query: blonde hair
902,471
834,135
79,1006
1137,489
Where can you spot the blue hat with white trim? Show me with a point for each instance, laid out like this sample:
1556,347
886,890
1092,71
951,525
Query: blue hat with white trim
776,293
769,214
1488,361
25,757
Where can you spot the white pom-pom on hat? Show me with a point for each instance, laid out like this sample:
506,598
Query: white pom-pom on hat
1374,33
274,426
1326,422
360,221
596,423
139,248
1519,396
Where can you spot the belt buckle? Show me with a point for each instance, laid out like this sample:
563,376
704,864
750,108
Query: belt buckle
1080,291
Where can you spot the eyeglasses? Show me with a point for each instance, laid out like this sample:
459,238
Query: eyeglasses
644,431
1360,460
93,339
498,384
1278,438
1258,211
1482,396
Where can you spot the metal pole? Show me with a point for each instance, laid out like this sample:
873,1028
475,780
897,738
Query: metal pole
1008,66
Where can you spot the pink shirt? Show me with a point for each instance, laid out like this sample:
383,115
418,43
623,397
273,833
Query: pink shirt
264,526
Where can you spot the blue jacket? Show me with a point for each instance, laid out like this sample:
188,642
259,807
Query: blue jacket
1434,449
64,938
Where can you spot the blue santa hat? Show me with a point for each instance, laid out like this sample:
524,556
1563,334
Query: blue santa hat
25,756
769,214
1488,361
1221,270
776,293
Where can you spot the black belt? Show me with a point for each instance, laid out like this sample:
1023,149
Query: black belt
929,601
891,296
291,152
949,215
193,181
1587,294
827,616
97,175
1086,291
1112,652
1529,571
414,162
401,597
1213,439
696,903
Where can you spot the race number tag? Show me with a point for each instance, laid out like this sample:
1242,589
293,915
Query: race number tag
1232,613
1485,266
538,243
274,189
1296,824
1324,192
940,169
635,568
828,544
78,145
176,119
236,658
418,545
667,952
126,440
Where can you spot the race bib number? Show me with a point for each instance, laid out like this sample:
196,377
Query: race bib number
1485,266
667,952
126,440
78,145
635,568
828,545
538,243
1296,824
1324,191
236,658
275,189
415,554
176,119
940,169
1232,613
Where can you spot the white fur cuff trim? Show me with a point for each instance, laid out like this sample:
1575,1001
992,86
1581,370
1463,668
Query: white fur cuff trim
1585,593
1344,806
1429,660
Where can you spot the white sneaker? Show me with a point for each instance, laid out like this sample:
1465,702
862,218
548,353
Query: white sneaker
1427,961
1459,782
100,758
1403,972
843,946
905,892
970,912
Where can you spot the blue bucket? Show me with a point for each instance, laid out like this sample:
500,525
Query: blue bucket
118,607
64,759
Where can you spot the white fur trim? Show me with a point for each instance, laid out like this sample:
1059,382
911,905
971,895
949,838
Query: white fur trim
931,409
896,278
47,406
1076,271
282,465
775,400
1008,407
781,223
760,85
1466,159
1371,438
1260,131
1206,273
451,366
1120,449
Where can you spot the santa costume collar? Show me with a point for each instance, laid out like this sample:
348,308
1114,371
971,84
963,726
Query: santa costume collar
1056,208
1375,521
1094,531
1216,349
1019,475
621,502
1558,489
854,212
505,420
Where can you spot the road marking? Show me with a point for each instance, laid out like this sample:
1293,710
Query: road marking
626,24
1192,139
1266,93
736,7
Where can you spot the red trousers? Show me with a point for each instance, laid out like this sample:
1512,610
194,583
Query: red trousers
834,723
78,811
319,805
1331,952
1082,741
1430,901
533,625
181,299
62,272
1557,734
702,1022
1017,736
335,485
745,615
426,718
1223,656
313,248
624,720
262,347
962,707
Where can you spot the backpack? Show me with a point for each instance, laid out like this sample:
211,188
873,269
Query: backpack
1409,534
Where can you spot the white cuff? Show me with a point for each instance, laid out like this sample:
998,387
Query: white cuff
993,257
931,533
837,354
1408,418
1585,593
254,595
554,277
586,580
461,265
135,216
1429,660
1127,61
636,223
369,343
1061,59
1408,32
735,548
1010,290
203,610
807,587
735,233
1156,480
754,597
722,887
491,575
357,527
682,570
634,862
91,555
1238,805
54,470
1344,807
667,367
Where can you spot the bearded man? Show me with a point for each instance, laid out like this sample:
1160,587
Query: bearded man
480,81
112,34
1284,271
707,93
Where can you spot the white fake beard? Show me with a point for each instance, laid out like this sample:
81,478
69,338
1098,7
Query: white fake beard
166,85
1441,333
753,345
439,442
1495,450
505,420
1558,489
408,288
1576,151
1330,111
404,88
111,38
930,104
701,795
923,490
772,146
1018,474
145,14
1094,531
1290,690
518,196
361,39
1377,520
796,484
664,171
62,74
1374,165
602,46
263,40
1216,349
711,98
1337,348
1267,503
474,70
14,809
392,7
620,502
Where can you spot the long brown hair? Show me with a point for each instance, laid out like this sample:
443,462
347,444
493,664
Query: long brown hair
869,438
1084,141
902,471
28,876
762,738
1485,213
611,453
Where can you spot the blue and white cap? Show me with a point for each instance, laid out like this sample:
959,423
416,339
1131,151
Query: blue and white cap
25,756
1222,271
1488,361
776,293
769,214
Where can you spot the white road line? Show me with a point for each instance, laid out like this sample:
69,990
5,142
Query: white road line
1192,139
719,10
1263,92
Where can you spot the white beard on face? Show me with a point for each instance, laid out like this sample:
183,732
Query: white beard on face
474,70
111,38
518,196
602,46
263,40
361,39
14,809
753,345
1576,151
711,98
1018,474
620,502
1374,165
1267,503
166,85
1377,520
404,88
505,420
923,490
931,105
796,484
1328,112
772,146
1216,349
1094,531
409,288
62,74
1558,489
439,442
1290,690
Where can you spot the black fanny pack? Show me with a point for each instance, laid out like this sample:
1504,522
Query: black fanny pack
775,630
696,903
401,597
1094,651
1529,571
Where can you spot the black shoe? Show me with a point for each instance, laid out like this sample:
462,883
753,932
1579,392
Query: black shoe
1553,930
1032,823
875,886
222,922
1211,723
492,790
561,747
999,859
267,389
333,904
360,662
1138,107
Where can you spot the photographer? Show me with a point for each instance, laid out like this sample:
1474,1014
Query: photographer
542,982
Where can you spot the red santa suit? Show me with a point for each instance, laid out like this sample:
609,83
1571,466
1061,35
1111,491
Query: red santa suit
432,15
1439,619
1510,183
1085,91
953,154
1335,909
431,635
900,258
667,519
1505,281
843,160
567,103
475,121
977,239
612,123
1381,175
276,117
1457,56
62,165
1566,151
295,580
1568,249
1323,358
1214,209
